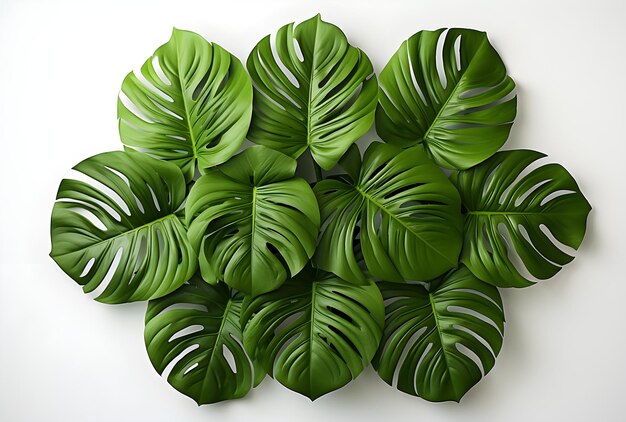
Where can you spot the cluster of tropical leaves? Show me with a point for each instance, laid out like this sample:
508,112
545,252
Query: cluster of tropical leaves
392,257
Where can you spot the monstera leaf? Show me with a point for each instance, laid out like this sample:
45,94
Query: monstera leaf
312,90
399,207
191,103
518,221
440,340
316,333
196,332
119,226
254,224
449,90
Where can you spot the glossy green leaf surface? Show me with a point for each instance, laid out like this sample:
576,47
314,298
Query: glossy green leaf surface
196,332
190,103
440,340
447,89
253,223
518,218
401,210
316,333
312,90
117,225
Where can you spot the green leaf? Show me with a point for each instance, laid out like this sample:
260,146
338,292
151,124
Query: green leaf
119,223
316,333
439,341
463,116
254,224
191,103
517,220
403,212
196,331
312,90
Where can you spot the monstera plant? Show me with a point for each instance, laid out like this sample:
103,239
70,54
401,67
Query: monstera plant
253,264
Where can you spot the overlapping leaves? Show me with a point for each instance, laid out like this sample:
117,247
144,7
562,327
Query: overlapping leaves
190,103
447,89
441,338
517,225
196,331
316,333
119,225
312,90
253,223
285,281
402,209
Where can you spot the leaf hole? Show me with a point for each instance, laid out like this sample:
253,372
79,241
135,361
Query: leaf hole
405,352
90,216
223,84
556,194
403,189
142,80
478,337
87,267
522,198
186,332
113,197
287,322
340,314
230,358
191,368
471,356
156,65
104,283
439,59
457,52
283,68
416,84
170,366
566,249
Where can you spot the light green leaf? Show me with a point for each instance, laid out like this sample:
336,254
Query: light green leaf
119,223
312,90
254,224
191,103
196,331
316,333
517,220
439,341
402,211
447,89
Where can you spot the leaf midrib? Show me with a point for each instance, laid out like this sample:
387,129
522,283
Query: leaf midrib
253,215
111,239
402,223
456,87
311,334
440,334
185,107
310,97
489,213
218,341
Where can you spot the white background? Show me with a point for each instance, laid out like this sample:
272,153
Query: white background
64,357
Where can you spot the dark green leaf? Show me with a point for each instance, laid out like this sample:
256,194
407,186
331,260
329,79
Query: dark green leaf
316,333
403,212
192,102
438,342
517,220
323,100
254,224
463,116
196,331
120,223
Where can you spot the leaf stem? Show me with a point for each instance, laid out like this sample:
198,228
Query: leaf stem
318,171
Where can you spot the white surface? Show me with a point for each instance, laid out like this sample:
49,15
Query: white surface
64,357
